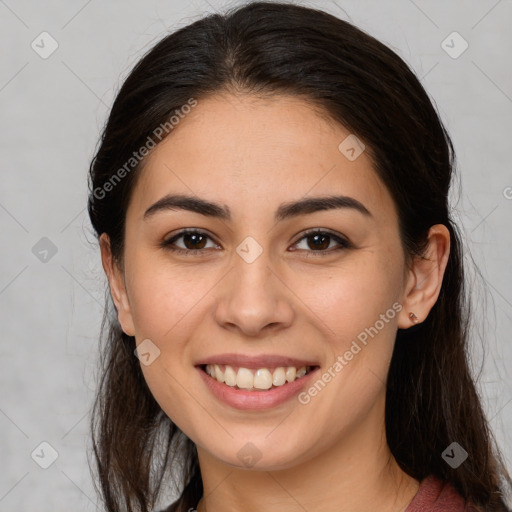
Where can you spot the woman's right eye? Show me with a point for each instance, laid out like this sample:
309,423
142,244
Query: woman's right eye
193,237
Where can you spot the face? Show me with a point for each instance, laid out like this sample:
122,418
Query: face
318,286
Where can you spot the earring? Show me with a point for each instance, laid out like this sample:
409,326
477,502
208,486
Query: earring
413,317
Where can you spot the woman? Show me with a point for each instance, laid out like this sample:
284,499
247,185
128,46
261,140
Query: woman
290,325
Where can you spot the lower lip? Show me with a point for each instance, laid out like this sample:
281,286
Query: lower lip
255,400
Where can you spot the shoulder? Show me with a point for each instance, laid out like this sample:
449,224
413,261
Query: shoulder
436,495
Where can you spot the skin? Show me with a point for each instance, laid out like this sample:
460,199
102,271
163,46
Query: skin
253,154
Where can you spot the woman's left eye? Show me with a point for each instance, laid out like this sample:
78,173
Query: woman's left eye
316,239
322,240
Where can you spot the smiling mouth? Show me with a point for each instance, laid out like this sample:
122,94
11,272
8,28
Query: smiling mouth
260,379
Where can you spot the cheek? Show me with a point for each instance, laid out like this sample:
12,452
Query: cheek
163,296
351,296
167,307
358,309
358,313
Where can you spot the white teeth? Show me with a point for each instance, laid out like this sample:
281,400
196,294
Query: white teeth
244,378
262,378
218,374
291,373
279,377
301,372
230,376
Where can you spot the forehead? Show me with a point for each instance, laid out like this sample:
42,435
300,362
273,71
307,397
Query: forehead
252,153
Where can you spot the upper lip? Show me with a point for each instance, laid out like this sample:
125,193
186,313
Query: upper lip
255,362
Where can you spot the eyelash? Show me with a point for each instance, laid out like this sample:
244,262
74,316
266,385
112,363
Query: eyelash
344,244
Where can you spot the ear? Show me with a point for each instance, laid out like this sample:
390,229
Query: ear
425,277
117,286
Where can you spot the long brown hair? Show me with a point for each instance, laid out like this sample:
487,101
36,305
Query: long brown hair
279,48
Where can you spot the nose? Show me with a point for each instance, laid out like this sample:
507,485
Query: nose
254,299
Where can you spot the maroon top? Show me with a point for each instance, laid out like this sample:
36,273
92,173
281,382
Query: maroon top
435,495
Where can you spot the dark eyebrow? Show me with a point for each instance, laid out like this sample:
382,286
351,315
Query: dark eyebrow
285,211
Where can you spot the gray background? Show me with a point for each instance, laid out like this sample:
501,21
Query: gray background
52,111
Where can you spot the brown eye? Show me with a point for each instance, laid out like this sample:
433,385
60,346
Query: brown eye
319,241
194,241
